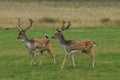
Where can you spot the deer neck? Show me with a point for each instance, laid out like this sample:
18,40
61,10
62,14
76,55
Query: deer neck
62,40
26,41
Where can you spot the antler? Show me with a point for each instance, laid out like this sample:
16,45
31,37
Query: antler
31,21
63,26
19,26
69,24
67,27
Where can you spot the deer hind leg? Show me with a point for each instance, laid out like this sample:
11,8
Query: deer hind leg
53,57
65,58
91,53
31,58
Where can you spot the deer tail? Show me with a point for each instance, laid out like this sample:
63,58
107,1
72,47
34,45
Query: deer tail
46,36
95,44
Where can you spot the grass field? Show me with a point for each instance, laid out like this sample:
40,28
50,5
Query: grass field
14,59
98,20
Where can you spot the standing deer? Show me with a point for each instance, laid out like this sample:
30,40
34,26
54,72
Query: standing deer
41,44
72,46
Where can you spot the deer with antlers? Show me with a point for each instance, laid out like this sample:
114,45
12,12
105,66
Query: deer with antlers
40,44
72,46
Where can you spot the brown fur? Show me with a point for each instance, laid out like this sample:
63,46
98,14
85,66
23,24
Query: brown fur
41,43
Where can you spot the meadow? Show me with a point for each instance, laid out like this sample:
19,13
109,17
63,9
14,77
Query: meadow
14,57
91,19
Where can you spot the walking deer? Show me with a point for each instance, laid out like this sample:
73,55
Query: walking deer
72,46
40,44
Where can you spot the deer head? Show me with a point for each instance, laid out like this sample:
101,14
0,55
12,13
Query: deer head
23,31
58,34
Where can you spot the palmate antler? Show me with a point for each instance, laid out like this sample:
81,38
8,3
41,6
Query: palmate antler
19,25
31,21
67,27
64,27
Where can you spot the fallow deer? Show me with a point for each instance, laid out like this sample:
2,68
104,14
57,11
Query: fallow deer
72,46
40,44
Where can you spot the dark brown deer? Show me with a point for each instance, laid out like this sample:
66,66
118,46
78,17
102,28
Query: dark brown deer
40,44
71,46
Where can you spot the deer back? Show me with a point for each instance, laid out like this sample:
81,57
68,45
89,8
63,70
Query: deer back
80,44
41,43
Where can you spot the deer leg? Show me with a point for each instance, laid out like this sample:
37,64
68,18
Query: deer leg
31,58
66,56
53,57
33,62
91,53
72,58
42,57
93,60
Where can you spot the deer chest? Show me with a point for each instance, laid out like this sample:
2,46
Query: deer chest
28,45
66,47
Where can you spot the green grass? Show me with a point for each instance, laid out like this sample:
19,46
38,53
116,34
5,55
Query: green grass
14,59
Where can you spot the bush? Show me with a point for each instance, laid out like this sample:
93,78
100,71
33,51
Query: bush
106,21
48,20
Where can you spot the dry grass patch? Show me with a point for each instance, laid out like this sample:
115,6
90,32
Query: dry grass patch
46,13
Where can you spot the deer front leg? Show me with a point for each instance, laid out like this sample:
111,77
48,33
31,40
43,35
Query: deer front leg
66,56
31,58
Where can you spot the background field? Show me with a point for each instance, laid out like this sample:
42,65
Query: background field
91,19
51,12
